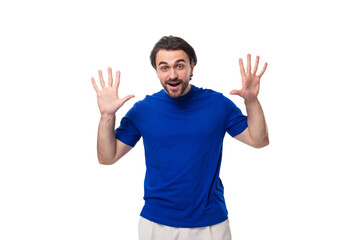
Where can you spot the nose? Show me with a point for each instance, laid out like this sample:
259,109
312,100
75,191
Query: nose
172,73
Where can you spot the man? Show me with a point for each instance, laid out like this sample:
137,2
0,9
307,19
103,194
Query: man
183,129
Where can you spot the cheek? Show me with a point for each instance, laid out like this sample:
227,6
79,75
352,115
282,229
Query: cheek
162,77
160,74
186,74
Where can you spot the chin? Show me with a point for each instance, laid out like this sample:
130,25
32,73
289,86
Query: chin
178,93
172,94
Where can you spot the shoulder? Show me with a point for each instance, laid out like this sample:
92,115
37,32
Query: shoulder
148,101
220,99
205,92
215,97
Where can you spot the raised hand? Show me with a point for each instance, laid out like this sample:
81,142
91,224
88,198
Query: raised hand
250,81
107,97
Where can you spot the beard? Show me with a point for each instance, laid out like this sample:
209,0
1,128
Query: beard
175,87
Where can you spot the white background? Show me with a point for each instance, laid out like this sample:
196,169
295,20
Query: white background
304,185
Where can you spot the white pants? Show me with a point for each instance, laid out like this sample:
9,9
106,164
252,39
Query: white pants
149,230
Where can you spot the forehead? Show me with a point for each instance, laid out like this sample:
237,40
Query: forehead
171,56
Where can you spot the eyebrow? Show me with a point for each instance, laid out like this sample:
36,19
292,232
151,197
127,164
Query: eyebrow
177,61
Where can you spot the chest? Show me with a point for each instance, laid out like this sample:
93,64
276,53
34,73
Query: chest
181,124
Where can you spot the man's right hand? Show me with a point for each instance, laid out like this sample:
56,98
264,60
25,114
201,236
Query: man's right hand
107,97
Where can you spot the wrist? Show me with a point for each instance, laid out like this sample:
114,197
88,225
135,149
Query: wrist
249,102
107,116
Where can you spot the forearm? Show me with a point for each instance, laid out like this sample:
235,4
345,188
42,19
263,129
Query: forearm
256,123
106,141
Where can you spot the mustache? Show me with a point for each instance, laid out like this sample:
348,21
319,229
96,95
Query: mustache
174,80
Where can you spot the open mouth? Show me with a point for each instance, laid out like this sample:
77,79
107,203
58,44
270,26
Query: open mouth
174,84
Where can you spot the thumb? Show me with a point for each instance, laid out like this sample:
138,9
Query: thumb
126,98
235,92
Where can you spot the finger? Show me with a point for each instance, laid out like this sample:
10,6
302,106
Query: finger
94,84
102,83
256,64
117,80
126,98
263,70
110,77
242,70
235,92
248,68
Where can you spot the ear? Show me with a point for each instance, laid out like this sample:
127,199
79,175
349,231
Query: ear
157,72
192,67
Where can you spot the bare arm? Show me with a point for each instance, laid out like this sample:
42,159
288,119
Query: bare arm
109,149
256,135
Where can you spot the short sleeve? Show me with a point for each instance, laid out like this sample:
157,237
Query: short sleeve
127,131
236,120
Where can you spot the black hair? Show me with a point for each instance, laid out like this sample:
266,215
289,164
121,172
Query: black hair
172,43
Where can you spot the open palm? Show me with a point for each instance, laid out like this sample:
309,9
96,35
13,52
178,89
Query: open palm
250,81
107,97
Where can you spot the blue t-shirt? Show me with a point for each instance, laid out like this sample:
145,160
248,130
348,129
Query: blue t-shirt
183,139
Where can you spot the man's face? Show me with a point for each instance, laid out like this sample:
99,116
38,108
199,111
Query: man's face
174,71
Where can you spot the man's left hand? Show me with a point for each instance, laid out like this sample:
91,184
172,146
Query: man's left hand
250,81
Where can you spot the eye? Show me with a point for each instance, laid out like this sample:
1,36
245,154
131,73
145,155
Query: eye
165,68
179,66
